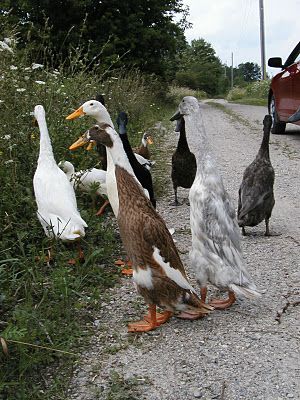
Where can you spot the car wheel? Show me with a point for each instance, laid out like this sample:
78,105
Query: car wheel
278,127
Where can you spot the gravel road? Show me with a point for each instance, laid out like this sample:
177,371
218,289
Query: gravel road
250,351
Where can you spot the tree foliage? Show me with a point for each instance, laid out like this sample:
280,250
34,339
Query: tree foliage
200,68
250,71
140,33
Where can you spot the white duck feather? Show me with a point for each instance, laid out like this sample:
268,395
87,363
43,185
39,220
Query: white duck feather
55,197
216,252
98,111
85,180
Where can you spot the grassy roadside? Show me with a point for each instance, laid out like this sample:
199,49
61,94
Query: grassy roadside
46,310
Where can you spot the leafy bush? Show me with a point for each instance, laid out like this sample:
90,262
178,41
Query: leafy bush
259,89
176,93
236,93
256,92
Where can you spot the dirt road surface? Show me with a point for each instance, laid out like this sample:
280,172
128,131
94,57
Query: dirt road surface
250,351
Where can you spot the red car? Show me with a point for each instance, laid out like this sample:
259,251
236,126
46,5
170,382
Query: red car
284,94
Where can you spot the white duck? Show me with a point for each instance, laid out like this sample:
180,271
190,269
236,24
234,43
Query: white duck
216,252
97,110
55,197
86,180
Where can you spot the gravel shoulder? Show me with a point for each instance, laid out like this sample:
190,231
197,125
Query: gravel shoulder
250,351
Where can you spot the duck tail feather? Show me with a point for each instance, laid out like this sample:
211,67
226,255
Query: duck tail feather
250,293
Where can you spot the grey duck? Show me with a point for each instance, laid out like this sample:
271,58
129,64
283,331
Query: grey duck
256,195
184,164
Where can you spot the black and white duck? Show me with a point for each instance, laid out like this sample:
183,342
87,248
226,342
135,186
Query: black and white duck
216,254
141,172
183,161
256,194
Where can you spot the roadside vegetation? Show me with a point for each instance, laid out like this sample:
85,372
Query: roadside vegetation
255,93
46,310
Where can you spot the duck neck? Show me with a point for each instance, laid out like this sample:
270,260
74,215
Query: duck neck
119,156
182,142
45,142
144,142
106,119
264,147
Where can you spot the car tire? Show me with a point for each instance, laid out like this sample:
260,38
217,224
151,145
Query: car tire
278,127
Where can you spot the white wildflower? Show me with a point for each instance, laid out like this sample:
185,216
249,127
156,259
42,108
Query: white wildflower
36,66
21,90
40,82
56,72
26,77
6,137
27,69
13,67
1,101
4,46
9,161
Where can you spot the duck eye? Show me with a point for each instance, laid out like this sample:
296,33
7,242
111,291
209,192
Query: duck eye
92,104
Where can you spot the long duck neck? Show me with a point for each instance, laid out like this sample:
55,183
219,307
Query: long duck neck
264,147
202,152
105,118
182,142
119,156
45,142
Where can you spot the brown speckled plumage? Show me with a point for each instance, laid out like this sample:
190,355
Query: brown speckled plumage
143,150
141,229
157,269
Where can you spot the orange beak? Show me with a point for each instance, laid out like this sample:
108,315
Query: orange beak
82,141
149,140
78,113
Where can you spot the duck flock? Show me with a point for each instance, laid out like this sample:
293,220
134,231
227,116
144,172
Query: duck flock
126,183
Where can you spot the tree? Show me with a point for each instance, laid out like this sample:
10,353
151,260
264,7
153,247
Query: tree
200,68
140,32
250,71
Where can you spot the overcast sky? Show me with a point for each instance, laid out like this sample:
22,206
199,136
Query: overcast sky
233,26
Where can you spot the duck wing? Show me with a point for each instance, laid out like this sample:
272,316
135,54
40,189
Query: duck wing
55,195
220,231
163,251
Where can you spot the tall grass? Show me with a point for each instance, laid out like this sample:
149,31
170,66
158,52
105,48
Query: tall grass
253,93
45,305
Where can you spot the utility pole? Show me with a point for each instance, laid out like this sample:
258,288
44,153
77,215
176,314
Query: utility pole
231,70
262,39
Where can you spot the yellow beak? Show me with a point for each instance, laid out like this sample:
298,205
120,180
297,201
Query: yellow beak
79,143
149,140
78,113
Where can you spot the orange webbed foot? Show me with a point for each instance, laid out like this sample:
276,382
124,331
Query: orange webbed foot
151,321
161,318
141,326
222,304
126,267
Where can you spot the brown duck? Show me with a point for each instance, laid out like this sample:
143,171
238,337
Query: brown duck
143,150
158,272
